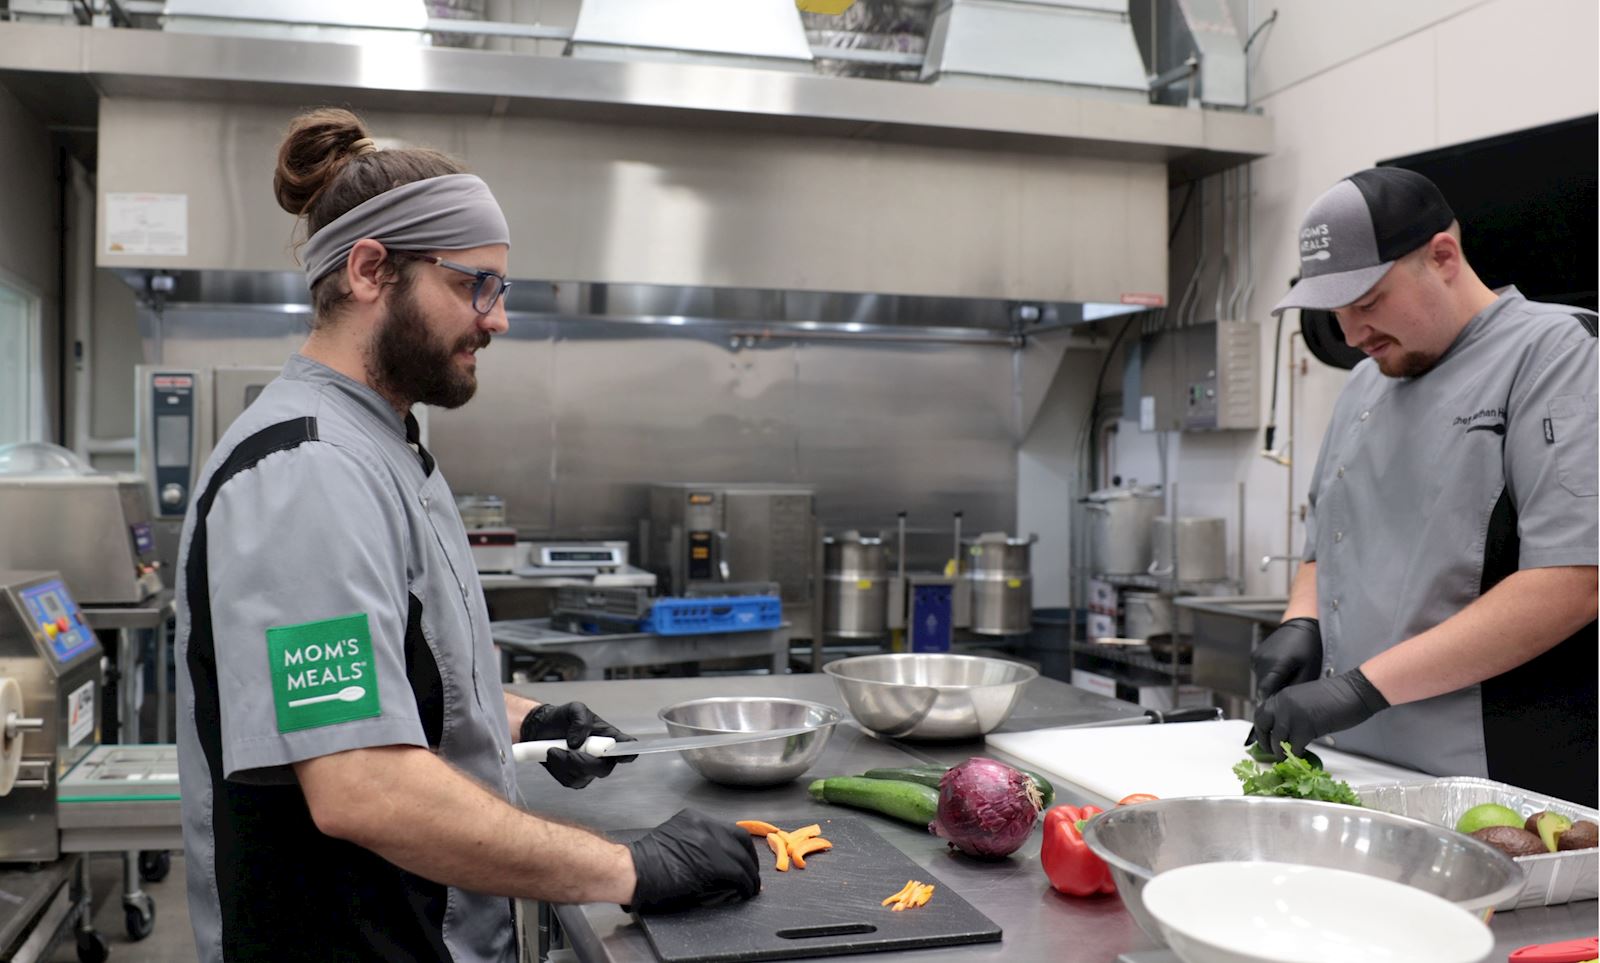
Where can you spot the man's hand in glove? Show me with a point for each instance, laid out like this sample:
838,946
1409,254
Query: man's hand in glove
693,860
1304,712
573,722
1291,655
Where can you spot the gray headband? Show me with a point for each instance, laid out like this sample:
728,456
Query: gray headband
448,213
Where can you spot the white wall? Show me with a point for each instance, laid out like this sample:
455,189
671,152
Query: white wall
1045,467
1348,84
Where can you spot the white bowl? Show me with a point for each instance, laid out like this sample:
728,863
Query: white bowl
1266,912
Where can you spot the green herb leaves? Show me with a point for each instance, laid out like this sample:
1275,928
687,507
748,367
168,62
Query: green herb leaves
1295,778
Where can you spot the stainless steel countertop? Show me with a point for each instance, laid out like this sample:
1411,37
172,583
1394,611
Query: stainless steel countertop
1038,922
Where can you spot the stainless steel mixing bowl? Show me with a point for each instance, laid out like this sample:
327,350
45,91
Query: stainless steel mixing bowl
765,763
930,696
1142,840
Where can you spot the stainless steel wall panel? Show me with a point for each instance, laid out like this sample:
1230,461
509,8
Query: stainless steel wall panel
503,441
634,406
926,429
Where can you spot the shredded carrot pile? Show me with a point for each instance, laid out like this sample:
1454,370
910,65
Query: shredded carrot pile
913,894
789,847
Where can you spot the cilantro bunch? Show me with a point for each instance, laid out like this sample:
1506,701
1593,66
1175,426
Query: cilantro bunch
1295,778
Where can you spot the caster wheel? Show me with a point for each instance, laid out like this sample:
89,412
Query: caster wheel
154,865
140,917
92,947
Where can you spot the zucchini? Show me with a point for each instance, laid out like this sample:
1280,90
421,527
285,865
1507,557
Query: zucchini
930,776
907,801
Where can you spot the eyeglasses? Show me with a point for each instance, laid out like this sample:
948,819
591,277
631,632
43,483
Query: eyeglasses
485,294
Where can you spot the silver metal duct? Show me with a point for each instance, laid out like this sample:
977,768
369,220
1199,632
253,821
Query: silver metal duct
1196,52
764,33
1087,45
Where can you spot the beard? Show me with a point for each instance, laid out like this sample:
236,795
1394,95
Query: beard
1410,364
407,363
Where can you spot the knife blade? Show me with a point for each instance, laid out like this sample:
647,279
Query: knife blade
537,750
1155,717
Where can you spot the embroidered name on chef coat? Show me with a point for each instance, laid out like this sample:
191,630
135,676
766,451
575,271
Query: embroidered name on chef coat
322,672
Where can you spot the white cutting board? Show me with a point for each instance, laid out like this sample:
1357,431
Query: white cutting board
1166,760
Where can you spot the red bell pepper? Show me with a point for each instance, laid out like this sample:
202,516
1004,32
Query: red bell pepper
1072,866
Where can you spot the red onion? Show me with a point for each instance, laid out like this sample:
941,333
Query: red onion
986,808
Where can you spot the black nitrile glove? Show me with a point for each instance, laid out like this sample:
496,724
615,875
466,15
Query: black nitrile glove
573,722
1292,654
692,860
1307,711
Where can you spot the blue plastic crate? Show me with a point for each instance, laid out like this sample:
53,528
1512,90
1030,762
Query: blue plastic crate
732,613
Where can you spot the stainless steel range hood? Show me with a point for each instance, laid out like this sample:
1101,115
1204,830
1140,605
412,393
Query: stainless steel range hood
757,33
1084,45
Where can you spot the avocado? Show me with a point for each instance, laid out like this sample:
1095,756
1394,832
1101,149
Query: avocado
1548,826
1485,815
1583,835
1510,840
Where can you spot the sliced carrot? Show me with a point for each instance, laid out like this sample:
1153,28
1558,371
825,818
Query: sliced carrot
775,843
804,832
902,891
756,827
800,849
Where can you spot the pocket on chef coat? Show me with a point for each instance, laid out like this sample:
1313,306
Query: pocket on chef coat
1570,427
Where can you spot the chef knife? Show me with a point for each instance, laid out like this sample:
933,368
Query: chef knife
1150,717
606,746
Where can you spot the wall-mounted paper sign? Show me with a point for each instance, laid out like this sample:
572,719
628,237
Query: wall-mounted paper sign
147,224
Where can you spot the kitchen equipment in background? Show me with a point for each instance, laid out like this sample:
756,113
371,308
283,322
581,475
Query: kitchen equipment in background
767,762
1202,376
1202,549
179,413
51,658
855,586
1103,616
57,513
1146,614
1119,528
999,573
1553,878
699,534
1253,912
481,511
1138,842
914,696
930,612
827,909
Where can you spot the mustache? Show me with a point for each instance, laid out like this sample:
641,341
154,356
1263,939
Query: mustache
474,342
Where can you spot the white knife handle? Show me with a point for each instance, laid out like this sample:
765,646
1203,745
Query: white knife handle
538,750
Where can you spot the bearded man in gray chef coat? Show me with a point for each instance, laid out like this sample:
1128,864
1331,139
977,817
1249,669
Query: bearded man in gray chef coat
1444,618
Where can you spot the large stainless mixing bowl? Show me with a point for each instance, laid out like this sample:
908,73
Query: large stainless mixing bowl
1142,840
765,763
929,696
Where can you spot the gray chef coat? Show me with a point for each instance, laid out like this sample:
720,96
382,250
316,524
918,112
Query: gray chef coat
327,602
1428,491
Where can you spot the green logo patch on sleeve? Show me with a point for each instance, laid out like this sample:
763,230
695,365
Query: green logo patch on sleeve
323,672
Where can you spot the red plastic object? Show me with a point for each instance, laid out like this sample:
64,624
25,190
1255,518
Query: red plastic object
1567,951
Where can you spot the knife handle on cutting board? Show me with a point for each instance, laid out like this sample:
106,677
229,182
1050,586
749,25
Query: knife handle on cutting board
537,750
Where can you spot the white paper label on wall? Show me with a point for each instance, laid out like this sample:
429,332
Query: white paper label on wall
1147,413
147,224
80,714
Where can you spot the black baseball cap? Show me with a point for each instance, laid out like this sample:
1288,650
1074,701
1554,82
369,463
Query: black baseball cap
1353,234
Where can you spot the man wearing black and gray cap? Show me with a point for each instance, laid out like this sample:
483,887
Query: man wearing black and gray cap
1444,618
344,745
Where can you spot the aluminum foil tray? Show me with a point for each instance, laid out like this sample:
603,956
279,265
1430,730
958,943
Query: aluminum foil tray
1553,878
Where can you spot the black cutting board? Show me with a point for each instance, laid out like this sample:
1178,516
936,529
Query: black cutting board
829,908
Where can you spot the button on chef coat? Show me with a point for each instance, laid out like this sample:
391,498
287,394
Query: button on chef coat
1427,491
319,513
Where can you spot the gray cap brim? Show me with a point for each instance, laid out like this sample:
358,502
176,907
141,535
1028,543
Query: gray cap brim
1328,291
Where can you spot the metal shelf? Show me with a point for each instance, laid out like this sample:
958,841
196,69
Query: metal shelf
1136,657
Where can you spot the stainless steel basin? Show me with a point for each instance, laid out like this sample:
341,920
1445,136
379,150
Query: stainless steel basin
1226,630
